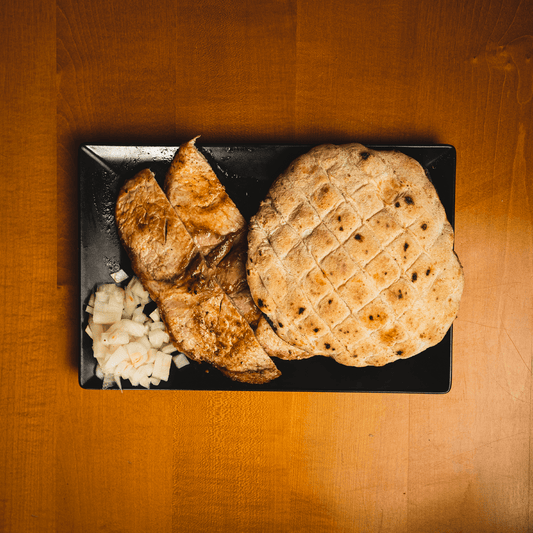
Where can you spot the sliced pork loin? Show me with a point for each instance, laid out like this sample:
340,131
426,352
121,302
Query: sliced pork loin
203,205
202,321
214,222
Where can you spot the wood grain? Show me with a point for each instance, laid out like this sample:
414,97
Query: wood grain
391,71
27,268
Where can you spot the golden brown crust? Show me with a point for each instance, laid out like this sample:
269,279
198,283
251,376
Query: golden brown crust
231,275
351,256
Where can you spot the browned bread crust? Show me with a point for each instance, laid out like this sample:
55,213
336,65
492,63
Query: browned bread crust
275,346
351,256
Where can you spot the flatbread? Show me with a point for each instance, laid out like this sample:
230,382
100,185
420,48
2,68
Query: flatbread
351,257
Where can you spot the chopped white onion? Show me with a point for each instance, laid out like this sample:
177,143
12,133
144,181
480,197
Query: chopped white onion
119,276
115,337
119,355
109,381
98,372
144,340
180,360
127,344
156,325
158,337
138,315
162,366
168,348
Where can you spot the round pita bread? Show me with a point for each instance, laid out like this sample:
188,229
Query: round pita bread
351,257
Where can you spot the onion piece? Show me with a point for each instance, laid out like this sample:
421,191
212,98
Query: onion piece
119,355
129,326
98,372
158,337
138,353
180,360
119,276
108,305
138,315
109,381
145,341
115,338
162,366
168,348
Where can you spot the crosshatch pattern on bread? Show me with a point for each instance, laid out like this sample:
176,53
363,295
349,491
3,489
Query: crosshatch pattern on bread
351,256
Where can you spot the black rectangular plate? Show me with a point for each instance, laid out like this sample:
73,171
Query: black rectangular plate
247,173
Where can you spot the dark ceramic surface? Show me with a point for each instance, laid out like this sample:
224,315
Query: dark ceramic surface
247,173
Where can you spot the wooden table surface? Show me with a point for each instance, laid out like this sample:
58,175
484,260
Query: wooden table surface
276,71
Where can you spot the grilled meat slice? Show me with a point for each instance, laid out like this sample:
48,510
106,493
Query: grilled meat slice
202,321
231,275
214,222
202,203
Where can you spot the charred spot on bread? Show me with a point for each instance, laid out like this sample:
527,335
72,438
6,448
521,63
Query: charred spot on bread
424,226
399,352
260,303
358,237
301,310
405,246
409,200
365,155
414,277
270,323
428,271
